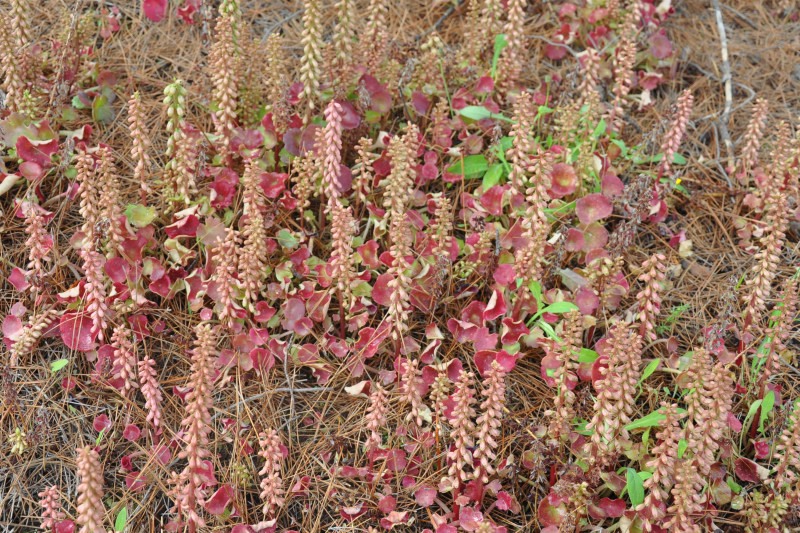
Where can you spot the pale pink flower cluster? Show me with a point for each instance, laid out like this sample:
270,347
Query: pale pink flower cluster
90,511
271,484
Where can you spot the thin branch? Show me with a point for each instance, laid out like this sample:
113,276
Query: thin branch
726,80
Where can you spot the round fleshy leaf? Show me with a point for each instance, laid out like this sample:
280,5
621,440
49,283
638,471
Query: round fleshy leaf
593,207
564,180
76,332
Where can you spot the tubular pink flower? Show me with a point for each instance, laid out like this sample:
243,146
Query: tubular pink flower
124,358
616,392
311,62
376,416
463,430
39,244
752,140
89,189
342,263
410,383
330,151
489,422
111,206
31,333
226,261
189,493
649,299
663,466
140,143
672,140
50,503
271,484
223,59
566,352
90,510
253,258
151,391
95,291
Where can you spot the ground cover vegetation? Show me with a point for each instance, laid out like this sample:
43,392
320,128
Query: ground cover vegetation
484,265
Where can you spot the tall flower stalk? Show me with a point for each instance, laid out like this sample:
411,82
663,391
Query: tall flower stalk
189,492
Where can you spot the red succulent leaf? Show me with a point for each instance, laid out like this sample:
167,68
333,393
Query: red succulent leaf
380,291
218,503
155,10
549,363
132,432
492,200
496,306
18,278
660,45
420,102
592,207
484,85
504,274
351,512
564,180
273,183
31,170
425,496
184,227
65,526
733,423
470,518
746,470
12,327
38,152
595,237
507,502
607,508
387,504
187,10
552,510
395,518
762,449
586,300
484,359
101,423
117,269
76,331
262,359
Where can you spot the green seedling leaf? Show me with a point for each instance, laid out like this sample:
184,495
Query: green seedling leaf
682,445
102,110
559,308
500,43
735,487
492,176
536,290
139,216
653,419
479,112
635,487
99,438
678,159
649,369
587,356
55,366
549,331
287,239
750,414
472,165
766,408
600,129
122,519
